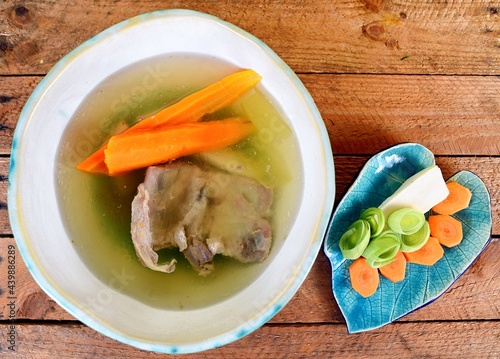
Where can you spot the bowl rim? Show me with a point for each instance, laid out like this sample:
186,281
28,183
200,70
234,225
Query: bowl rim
49,287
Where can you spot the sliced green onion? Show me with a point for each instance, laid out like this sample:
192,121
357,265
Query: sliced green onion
375,218
406,221
354,241
382,249
413,242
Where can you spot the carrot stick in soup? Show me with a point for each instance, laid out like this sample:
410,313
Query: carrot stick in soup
142,148
190,109
95,162
212,98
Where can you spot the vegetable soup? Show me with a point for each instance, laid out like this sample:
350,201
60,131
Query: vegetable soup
96,209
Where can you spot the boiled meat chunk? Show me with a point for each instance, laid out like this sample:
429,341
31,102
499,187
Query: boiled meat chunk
203,212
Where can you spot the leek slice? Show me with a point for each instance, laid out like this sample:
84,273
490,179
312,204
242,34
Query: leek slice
413,242
355,240
406,221
375,218
382,249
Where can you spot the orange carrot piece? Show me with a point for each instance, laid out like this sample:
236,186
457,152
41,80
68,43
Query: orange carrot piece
428,255
94,163
396,270
143,148
364,278
458,199
212,98
446,229
190,109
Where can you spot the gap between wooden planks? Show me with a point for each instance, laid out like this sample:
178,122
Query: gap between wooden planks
357,36
347,168
363,114
476,293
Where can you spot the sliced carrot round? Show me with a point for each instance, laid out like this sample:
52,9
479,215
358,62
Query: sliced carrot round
446,229
458,199
428,255
364,278
395,271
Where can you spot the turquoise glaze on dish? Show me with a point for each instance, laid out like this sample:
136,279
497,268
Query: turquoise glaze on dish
41,237
378,179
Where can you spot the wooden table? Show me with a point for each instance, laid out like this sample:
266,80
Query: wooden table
381,73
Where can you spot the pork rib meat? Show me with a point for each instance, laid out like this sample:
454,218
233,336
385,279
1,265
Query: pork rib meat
203,212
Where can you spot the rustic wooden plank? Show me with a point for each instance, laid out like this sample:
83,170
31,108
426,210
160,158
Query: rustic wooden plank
487,168
367,113
347,169
314,302
343,36
357,58
449,115
14,92
404,340
30,302
477,292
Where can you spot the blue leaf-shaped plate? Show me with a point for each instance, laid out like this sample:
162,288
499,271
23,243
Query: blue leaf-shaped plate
379,179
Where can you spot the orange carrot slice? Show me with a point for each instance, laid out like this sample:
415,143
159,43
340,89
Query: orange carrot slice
446,229
364,278
395,271
190,109
95,162
458,199
143,148
428,255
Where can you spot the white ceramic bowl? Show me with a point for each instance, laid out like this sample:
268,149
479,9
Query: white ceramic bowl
35,215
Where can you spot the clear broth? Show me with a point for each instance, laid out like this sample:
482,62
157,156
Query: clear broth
96,209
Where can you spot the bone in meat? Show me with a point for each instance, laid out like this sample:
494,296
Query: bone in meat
203,213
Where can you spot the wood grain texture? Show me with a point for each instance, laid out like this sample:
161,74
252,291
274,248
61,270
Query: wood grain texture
477,292
345,36
435,340
367,113
347,169
487,168
449,115
14,92
31,302
381,72
314,302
